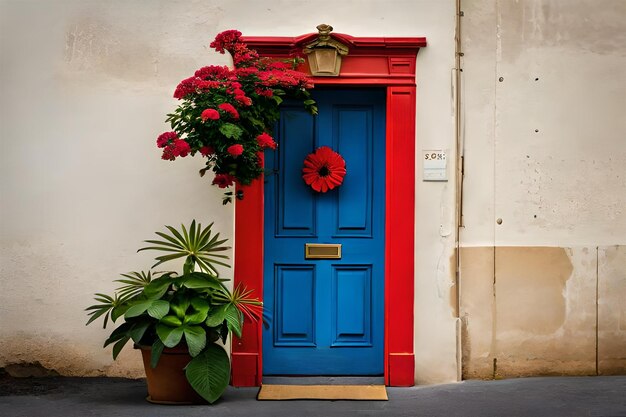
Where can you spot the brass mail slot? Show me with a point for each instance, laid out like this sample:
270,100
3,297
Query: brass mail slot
322,251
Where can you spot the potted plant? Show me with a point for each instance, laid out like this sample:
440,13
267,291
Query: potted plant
227,115
179,321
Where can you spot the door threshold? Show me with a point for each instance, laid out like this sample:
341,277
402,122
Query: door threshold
324,380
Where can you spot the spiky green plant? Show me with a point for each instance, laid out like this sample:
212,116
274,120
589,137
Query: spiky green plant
198,245
196,310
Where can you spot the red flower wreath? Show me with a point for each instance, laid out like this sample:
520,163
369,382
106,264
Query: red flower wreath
324,169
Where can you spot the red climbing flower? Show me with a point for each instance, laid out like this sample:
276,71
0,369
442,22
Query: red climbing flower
210,114
226,41
266,141
230,109
177,147
166,138
224,112
324,169
182,148
235,150
223,180
207,150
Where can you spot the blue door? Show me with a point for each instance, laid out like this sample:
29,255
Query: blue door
327,314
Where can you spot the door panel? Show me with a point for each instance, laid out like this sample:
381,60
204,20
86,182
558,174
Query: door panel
327,314
355,200
352,305
294,317
296,214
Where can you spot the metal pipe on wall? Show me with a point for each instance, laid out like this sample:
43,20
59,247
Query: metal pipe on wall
459,155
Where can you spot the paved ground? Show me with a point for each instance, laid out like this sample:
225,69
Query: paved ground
111,397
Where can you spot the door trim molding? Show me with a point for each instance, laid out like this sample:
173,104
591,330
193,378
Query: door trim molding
375,62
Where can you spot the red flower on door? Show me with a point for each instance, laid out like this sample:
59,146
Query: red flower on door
324,169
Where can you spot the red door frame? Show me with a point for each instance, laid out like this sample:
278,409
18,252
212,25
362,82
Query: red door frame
379,62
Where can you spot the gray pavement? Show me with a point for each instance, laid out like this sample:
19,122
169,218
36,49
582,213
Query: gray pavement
553,396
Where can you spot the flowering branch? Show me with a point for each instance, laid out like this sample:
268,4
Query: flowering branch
227,115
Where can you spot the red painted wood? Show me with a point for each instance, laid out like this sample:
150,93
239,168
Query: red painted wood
246,352
276,46
369,60
387,62
402,370
399,276
245,366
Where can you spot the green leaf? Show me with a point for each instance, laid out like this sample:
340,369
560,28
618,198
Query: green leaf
137,309
209,372
138,330
117,348
231,131
216,317
201,309
167,245
205,234
155,354
118,312
224,332
158,287
158,309
178,235
95,314
234,319
180,307
200,304
196,317
186,235
172,321
195,243
134,284
210,262
163,249
170,336
169,238
189,265
256,122
165,258
197,280
196,339
193,236
104,308
119,333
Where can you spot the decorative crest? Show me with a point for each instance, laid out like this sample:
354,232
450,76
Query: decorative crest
325,41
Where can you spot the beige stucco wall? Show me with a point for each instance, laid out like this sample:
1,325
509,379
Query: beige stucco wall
544,105
435,324
85,89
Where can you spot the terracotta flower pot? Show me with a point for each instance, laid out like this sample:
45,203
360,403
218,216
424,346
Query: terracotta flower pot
167,383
